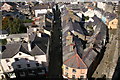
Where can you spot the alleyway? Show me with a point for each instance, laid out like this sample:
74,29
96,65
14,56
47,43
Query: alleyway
108,63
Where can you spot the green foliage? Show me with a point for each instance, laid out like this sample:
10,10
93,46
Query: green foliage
15,25
86,17
3,42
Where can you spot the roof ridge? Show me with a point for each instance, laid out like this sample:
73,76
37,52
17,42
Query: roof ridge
70,58
39,48
17,49
81,60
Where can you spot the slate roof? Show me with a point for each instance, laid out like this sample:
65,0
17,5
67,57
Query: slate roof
28,24
3,32
89,56
11,50
100,30
40,7
79,56
75,62
110,16
38,46
36,51
72,26
41,42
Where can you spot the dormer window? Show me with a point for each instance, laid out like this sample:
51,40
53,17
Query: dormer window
73,76
66,74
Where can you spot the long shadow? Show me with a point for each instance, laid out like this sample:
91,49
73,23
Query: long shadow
95,63
24,69
116,75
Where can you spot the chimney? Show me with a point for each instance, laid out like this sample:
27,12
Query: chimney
29,43
69,41
71,46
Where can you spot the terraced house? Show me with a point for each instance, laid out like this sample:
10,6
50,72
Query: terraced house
82,51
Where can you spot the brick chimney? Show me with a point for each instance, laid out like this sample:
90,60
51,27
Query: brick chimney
69,41
29,43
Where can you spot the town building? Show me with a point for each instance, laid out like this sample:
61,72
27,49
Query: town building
81,54
41,9
6,7
21,59
113,24
3,34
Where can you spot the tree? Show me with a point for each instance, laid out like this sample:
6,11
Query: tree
14,25
3,42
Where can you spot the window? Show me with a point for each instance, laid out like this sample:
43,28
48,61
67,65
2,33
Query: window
37,64
16,59
19,66
73,76
82,71
7,60
22,73
81,77
28,65
20,54
66,68
66,74
74,70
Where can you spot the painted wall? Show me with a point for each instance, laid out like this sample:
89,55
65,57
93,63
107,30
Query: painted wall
3,36
113,24
101,5
9,64
6,7
78,73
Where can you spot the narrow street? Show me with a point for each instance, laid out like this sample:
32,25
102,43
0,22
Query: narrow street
108,63
116,75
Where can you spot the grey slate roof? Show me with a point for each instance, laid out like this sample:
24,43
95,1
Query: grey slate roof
42,43
36,51
100,31
75,62
11,50
28,24
40,7
88,55
38,46
3,32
